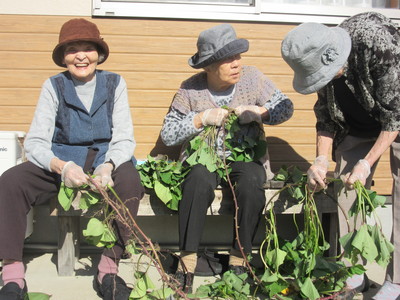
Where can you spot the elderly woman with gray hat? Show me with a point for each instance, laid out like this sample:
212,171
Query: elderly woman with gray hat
82,124
355,70
199,102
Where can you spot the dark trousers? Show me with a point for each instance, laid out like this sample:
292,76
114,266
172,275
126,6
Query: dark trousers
198,193
26,185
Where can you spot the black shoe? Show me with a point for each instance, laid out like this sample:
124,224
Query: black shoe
184,281
207,265
348,294
112,287
12,291
238,270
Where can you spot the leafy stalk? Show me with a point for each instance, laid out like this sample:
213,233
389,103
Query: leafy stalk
368,241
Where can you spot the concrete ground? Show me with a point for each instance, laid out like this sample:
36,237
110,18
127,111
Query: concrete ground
41,276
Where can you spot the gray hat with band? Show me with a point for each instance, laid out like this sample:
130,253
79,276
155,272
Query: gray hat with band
216,44
316,53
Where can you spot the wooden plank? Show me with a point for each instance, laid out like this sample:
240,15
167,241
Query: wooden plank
14,127
16,114
29,42
163,98
150,98
383,186
19,96
137,97
275,134
155,116
135,80
168,45
52,24
128,62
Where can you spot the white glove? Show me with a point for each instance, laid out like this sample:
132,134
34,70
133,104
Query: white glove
73,176
248,113
316,174
214,116
360,172
102,175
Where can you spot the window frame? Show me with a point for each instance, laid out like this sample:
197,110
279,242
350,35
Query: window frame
261,11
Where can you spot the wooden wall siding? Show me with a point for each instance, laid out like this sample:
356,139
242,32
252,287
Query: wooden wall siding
152,56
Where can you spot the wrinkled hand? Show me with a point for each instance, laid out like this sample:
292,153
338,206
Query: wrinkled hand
73,176
56,165
102,175
248,113
214,116
360,172
316,174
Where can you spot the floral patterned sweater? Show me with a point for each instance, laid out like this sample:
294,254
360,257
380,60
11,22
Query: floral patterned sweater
253,88
372,73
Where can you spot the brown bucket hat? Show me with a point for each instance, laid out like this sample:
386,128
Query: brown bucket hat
77,30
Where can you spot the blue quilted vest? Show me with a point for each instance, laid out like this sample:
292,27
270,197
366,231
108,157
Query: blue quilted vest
78,130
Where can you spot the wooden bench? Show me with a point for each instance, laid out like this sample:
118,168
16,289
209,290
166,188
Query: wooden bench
150,205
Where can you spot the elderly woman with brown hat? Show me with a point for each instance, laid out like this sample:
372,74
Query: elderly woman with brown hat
82,124
355,69
198,103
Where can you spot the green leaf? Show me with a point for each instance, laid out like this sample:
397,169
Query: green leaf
162,293
37,296
131,248
88,198
237,282
192,159
269,277
385,248
298,193
282,175
203,291
166,176
377,200
297,175
139,290
174,203
65,196
162,192
108,235
277,287
365,244
94,228
276,257
308,289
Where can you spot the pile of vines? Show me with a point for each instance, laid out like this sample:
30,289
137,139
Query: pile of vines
294,269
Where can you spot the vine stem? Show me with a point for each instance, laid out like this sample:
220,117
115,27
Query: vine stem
236,223
131,223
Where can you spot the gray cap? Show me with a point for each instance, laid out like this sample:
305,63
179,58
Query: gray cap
215,44
316,53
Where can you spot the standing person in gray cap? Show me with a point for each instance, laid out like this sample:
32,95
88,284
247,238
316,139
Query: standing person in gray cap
198,103
355,69
82,124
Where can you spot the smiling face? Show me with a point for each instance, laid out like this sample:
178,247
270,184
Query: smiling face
81,59
223,74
